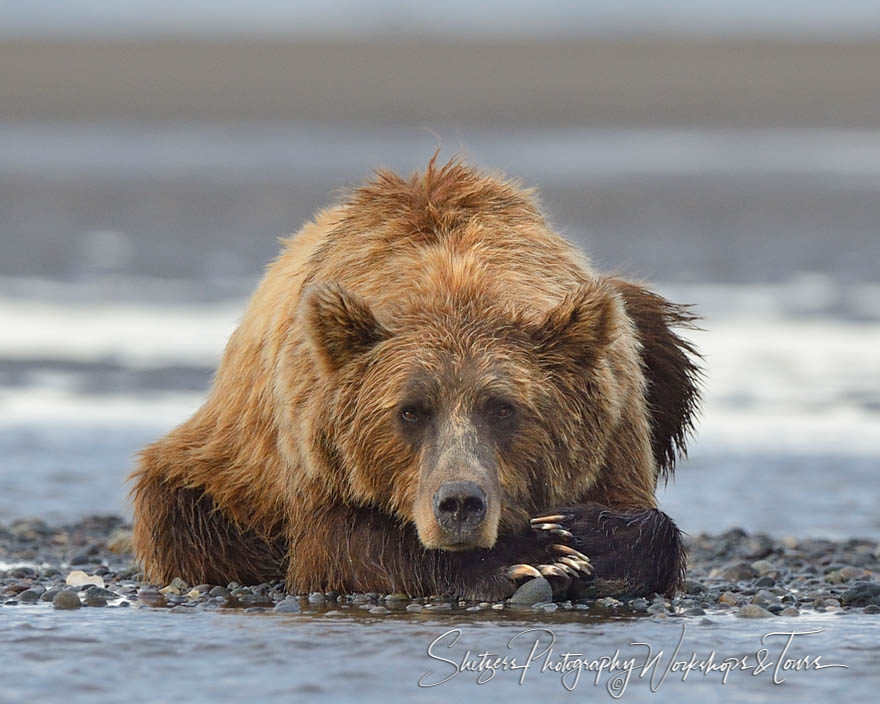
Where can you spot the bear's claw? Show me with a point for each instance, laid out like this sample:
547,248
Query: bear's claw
521,571
552,525
568,552
569,566
555,518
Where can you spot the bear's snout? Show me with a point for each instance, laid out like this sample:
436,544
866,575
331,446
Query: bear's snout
460,508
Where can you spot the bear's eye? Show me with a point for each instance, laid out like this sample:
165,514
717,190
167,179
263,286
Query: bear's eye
500,410
413,414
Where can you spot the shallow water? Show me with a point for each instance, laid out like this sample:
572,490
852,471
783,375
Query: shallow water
231,655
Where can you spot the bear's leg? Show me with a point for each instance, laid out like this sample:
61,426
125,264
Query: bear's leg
349,549
179,532
583,550
632,552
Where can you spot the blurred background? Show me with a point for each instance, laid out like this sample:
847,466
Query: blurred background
728,153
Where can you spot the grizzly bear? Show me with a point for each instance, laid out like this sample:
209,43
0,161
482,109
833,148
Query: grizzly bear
431,392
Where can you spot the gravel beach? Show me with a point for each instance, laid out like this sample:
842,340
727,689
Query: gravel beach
88,564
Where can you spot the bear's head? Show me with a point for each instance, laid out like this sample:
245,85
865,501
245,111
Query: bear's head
461,414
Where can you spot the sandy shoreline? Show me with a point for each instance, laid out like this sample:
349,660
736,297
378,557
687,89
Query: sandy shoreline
435,84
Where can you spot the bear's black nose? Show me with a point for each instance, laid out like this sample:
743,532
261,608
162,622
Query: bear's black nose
459,506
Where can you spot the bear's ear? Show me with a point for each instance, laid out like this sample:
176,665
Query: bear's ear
580,327
339,324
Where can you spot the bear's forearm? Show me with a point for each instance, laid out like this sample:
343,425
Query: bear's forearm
632,551
350,549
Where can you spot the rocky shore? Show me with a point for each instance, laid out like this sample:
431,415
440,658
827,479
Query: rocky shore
89,564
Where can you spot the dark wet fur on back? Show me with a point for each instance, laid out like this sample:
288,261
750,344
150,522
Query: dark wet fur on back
671,365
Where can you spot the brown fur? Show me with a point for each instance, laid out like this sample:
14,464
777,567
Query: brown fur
451,285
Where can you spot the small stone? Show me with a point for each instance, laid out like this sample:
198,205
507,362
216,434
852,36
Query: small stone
609,602
765,568
849,573
288,606
379,611
639,604
397,596
549,608
317,598
415,608
789,611
735,571
170,590
193,594
49,594
29,596
692,586
728,598
66,599
765,582
753,611
78,578
101,592
656,609
95,601
697,611
219,591
440,606
533,592
765,598
181,586
862,594
871,609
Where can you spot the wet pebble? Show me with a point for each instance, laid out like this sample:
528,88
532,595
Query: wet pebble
728,598
534,591
735,571
49,594
66,600
753,611
288,606
765,598
639,604
862,594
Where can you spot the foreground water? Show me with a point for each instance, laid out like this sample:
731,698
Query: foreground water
161,656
